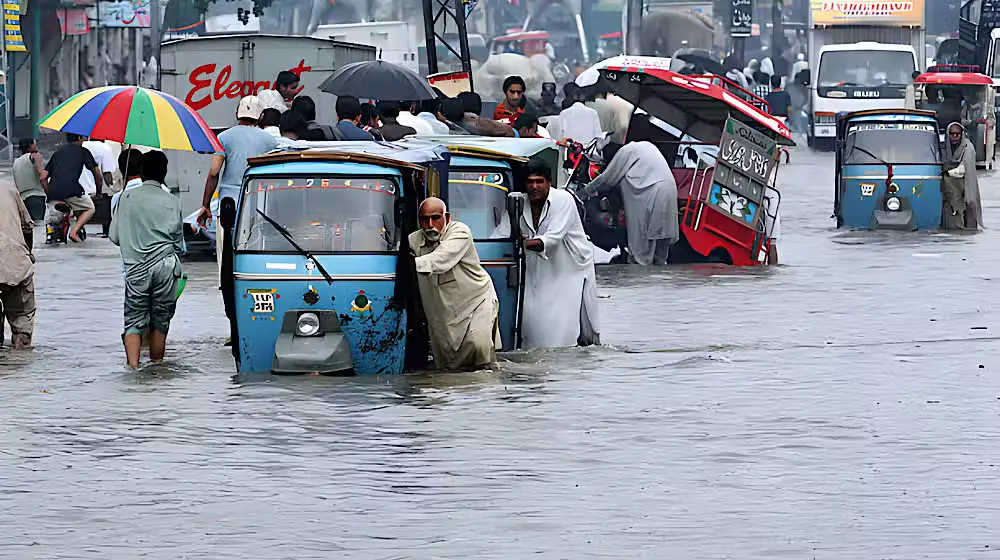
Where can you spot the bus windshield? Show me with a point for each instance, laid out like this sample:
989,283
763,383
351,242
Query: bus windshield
478,199
893,143
865,68
323,214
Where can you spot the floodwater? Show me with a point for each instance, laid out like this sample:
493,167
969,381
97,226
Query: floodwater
841,406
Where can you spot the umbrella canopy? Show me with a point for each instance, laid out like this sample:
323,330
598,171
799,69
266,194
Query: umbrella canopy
378,79
134,115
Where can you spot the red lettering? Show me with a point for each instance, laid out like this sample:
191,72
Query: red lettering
298,71
220,82
234,90
201,79
199,84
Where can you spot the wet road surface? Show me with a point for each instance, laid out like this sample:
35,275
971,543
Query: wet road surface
841,406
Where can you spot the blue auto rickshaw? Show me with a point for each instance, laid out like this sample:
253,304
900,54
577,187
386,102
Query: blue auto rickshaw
482,172
888,170
319,275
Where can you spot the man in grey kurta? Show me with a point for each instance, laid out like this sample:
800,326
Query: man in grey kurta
17,268
961,184
148,227
457,293
649,195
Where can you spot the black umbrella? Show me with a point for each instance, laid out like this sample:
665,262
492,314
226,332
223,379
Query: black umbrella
702,60
377,79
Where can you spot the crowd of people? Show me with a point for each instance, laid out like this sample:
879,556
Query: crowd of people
146,223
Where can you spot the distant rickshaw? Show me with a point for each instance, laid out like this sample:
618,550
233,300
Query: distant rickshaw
961,93
888,170
525,43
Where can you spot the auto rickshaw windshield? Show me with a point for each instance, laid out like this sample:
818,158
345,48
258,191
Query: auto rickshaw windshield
478,199
893,143
323,214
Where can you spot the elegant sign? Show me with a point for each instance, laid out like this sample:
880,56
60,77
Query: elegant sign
741,24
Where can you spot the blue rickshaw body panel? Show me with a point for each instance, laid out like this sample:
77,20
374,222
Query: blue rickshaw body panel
375,332
864,187
496,255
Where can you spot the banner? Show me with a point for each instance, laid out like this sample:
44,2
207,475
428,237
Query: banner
908,13
121,13
12,28
73,21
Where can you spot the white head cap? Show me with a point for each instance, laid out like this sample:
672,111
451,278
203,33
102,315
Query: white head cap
250,108
271,99
801,56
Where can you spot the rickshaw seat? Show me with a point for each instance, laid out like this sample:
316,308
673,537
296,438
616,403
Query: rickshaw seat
686,178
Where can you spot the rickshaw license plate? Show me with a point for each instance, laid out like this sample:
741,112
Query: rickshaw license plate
263,302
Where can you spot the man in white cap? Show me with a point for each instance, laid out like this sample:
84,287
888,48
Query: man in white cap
241,142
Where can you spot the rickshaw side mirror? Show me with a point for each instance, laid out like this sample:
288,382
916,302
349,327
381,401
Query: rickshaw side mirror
227,212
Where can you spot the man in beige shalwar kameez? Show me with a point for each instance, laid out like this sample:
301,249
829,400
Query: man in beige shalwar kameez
458,296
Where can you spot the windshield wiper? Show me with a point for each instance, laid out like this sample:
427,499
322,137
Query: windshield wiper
888,166
288,237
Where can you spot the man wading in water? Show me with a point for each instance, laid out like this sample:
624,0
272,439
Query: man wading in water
148,227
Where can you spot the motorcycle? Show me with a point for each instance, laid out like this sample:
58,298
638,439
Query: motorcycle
603,216
58,231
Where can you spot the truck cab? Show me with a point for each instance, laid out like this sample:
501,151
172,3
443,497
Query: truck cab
856,77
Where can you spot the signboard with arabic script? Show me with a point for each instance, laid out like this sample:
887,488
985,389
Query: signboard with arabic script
741,24
745,164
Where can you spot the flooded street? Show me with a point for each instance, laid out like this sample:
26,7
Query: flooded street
843,405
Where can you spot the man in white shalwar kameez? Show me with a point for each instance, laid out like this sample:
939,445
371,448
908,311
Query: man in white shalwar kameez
457,293
649,195
560,292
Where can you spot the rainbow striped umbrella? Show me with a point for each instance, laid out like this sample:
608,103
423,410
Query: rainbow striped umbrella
134,115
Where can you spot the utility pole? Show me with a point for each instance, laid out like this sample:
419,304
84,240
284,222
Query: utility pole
633,27
777,29
457,11
35,52
154,36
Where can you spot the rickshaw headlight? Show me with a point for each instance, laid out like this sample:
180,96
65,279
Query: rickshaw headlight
307,325
892,204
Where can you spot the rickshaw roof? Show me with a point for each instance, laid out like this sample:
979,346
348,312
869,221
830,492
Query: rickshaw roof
954,78
891,115
523,36
463,161
884,115
489,147
383,154
697,96
319,167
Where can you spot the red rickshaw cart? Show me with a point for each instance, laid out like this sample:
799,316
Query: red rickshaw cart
722,150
